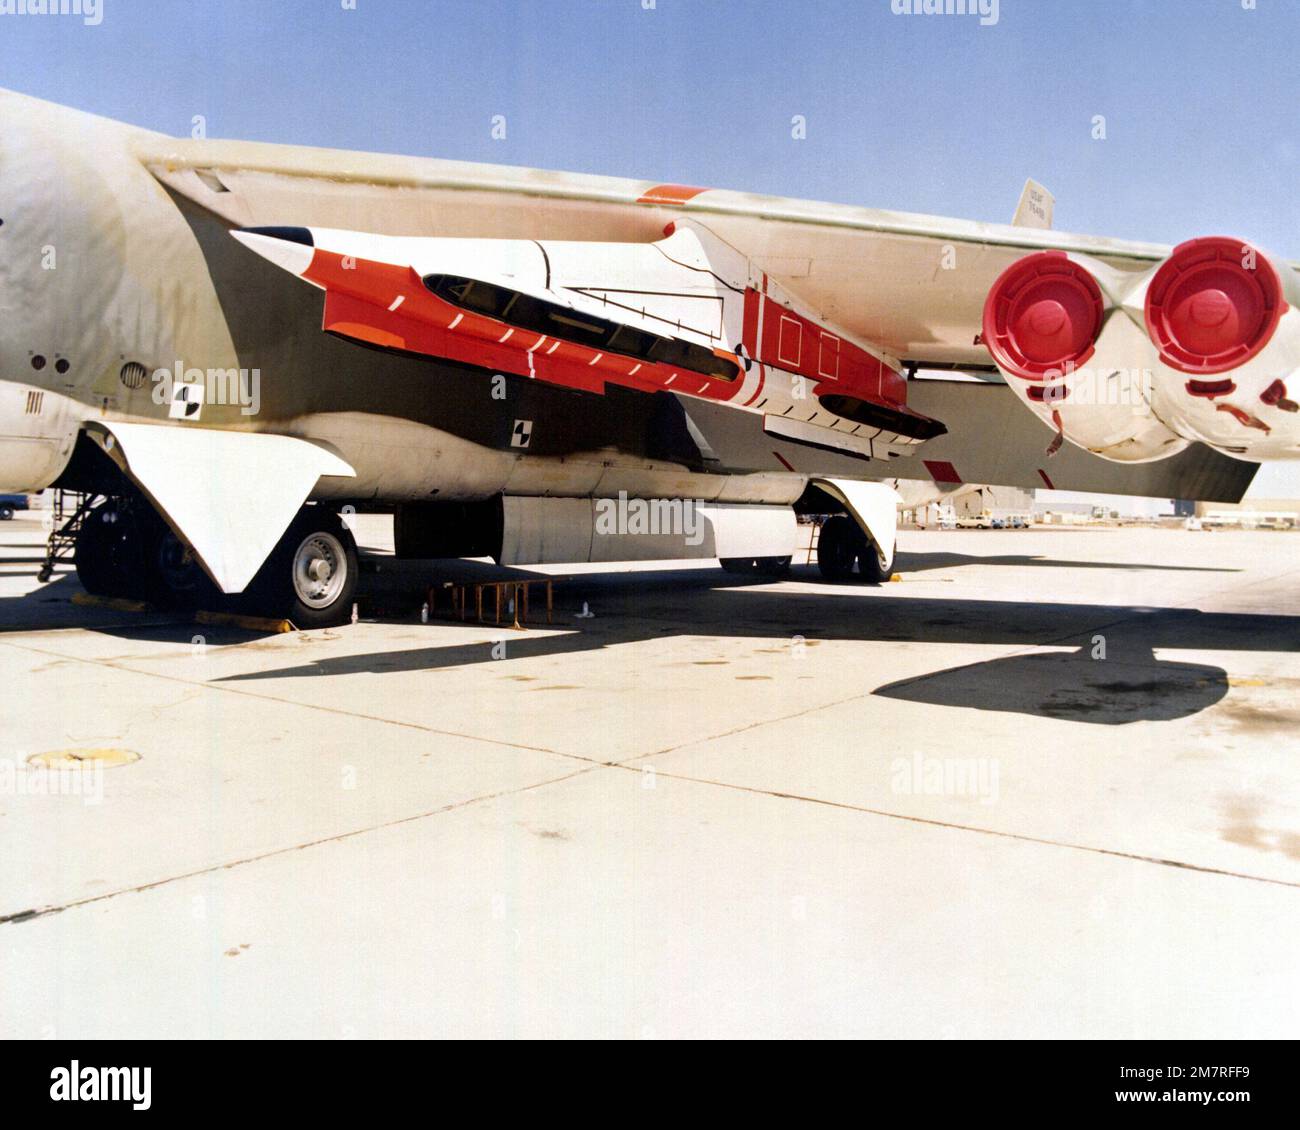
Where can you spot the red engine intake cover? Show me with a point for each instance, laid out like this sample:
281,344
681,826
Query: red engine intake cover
1043,313
1213,305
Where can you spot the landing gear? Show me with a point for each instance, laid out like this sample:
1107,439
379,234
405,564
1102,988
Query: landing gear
125,550
842,546
109,556
874,567
756,566
181,581
838,547
311,575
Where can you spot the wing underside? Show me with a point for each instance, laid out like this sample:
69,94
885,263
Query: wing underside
991,439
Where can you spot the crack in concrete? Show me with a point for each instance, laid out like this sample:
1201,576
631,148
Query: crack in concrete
229,865
931,822
114,665
625,764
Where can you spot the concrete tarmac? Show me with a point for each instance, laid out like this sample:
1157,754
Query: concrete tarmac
1046,785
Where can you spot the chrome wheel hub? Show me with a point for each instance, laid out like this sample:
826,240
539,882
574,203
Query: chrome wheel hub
320,570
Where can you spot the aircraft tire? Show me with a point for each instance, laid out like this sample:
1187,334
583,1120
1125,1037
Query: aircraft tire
177,579
838,547
311,576
873,571
108,555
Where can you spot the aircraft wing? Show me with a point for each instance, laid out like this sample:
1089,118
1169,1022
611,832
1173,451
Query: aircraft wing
993,440
914,285
908,292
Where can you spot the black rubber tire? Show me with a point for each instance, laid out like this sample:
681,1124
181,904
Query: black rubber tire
272,593
108,554
178,580
6,512
838,547
870,569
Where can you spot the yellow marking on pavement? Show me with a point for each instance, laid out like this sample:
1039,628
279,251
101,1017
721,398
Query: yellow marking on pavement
83,758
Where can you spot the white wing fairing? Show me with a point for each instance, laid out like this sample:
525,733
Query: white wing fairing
688,314
874,506
1134,366
230,495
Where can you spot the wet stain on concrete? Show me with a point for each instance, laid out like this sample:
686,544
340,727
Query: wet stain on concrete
1255,718
1243,828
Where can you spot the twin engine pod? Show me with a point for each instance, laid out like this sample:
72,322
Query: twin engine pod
1135,366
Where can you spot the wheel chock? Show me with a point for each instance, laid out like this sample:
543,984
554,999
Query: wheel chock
116,603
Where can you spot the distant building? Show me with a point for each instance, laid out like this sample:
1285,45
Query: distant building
1252,513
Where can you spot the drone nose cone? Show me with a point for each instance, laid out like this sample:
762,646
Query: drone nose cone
290,248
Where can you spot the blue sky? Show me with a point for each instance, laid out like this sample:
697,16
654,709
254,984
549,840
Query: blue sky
922,113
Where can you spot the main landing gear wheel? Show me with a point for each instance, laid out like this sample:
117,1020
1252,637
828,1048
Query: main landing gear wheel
180,579
125,549
838,547
873,567
311,575
843,546
108,555
756,566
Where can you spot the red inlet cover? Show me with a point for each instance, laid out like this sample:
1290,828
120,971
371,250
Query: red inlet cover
1042,314
1213,305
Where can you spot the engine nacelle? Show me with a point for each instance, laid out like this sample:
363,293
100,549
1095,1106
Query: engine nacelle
1223,317
1058,331
1134,366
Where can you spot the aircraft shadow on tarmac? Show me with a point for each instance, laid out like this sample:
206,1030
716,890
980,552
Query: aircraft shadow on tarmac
1102,668
1073,686
1071,681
